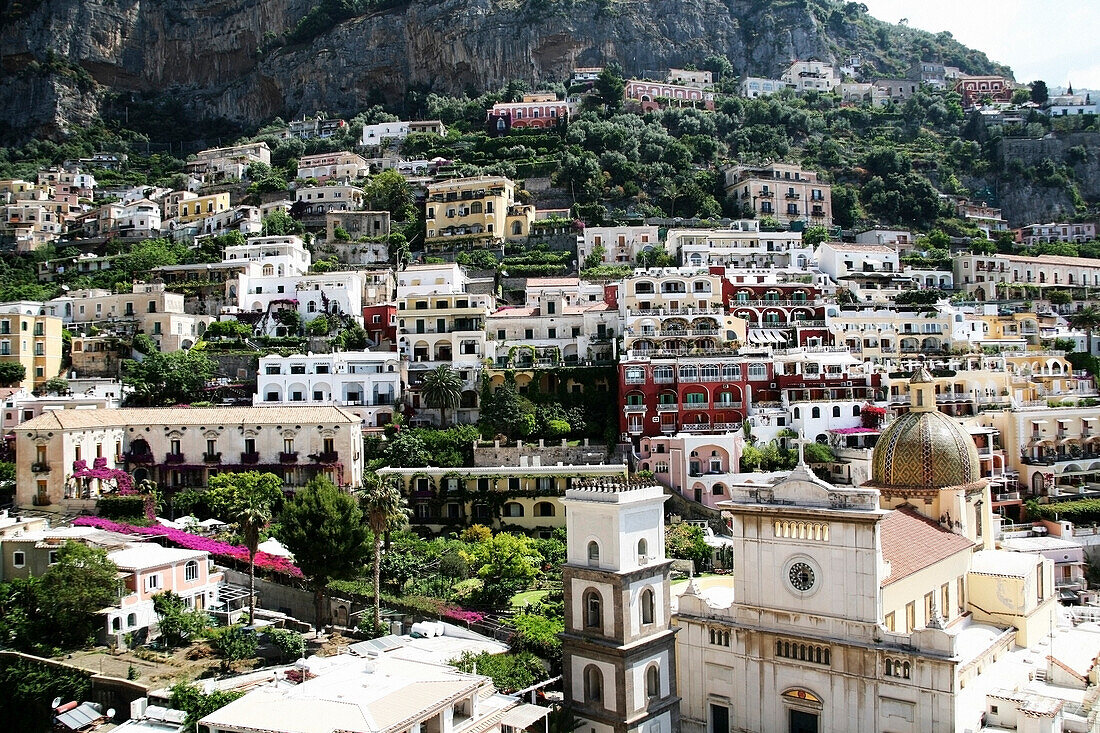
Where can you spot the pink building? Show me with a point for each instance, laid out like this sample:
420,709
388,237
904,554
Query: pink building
537,111
151,569
654,95
700,467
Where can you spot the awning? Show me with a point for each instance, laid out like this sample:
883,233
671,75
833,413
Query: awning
524,715
767,336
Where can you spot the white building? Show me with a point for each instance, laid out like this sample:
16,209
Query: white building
621,245
742,245
756,86
810,75
284,255
367,383
332,294
325,166
321,199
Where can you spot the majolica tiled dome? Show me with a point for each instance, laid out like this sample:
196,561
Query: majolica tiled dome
924,449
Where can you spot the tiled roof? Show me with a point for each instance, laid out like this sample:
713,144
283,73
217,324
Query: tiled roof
1052,260
198,416
911,543
849,247
552,282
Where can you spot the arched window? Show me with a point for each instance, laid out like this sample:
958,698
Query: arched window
815,412
836,410
593,612
131,620
855,411
517,227
116,624
593,553
544,509
593,684
643,550
648,606
652,681
513,509
191,571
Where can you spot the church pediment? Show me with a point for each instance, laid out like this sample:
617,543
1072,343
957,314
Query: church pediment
802,488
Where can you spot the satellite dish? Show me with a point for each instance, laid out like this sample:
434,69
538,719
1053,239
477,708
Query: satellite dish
56,702
110,713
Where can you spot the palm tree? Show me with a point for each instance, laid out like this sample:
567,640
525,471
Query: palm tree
442,388
1086,319
384,504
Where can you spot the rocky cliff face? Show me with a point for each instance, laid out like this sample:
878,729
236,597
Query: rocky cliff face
209,52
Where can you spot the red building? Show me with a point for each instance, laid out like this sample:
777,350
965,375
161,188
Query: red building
976,88
692,394
380,323
783,314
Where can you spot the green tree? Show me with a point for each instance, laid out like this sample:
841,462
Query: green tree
161,380
291,644
384,504
507,563
686,542
11,373
55,385
406,449
389,191
247,499
75,589
191,699
510,672
442,389
609,89
1086,319
815,235
1039,92
234,643
595,257
279,223
176,621
323,526
505,413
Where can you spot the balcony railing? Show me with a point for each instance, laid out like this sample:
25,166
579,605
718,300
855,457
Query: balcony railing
174,458
139,458
38,467
667,407
326,457
718,427
728,405
634,408
250,457
211,457
291,457
695,405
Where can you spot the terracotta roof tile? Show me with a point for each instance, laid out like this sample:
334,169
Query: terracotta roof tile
911,543
200,416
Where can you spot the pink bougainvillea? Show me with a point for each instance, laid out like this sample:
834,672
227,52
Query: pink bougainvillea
99,470
459,614
186,540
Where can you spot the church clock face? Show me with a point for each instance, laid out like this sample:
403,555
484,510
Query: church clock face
801,577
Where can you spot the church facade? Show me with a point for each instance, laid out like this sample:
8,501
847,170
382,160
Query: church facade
875,608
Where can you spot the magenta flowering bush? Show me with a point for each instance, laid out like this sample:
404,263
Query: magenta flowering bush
123,481
460,614
186,540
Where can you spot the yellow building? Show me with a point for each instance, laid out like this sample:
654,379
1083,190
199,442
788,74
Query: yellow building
31,340
201,207
474,210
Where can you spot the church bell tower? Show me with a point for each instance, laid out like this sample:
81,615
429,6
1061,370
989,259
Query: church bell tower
618,646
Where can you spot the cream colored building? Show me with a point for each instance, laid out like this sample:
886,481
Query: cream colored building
526,497
181,448
988,277
231,163
31,339
803,76
675,309
621,245
325,166
474,209
149,308
783,191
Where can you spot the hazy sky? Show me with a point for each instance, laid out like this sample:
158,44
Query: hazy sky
1053,40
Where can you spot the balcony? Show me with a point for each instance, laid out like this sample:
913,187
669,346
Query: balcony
211,457
667,407
326,457
250,457
291,457
634,409
794,196
174,458
718,427
39,467
728,405
695,405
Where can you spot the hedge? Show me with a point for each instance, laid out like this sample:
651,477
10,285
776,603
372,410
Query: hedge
1080,511
121,507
